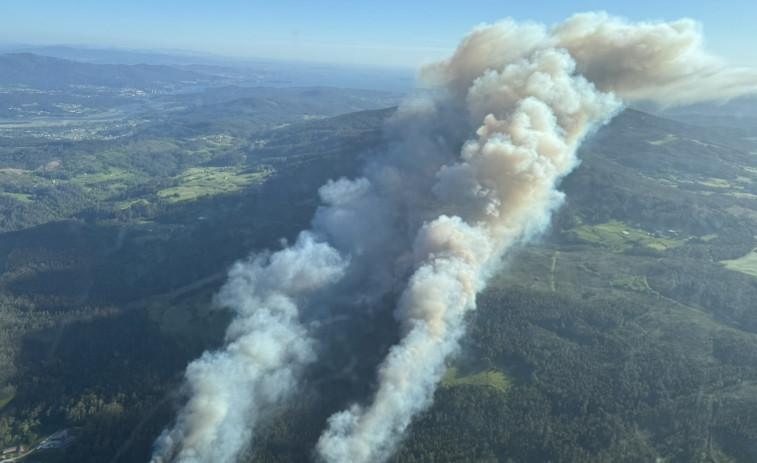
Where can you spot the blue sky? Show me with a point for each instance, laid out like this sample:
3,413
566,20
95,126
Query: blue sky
387,32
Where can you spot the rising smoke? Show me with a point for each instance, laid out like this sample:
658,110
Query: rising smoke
432,222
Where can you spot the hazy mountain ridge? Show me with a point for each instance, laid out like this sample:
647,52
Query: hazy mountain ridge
45,73
115,56
230,70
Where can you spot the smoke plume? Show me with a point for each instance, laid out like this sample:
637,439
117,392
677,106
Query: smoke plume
431,221
266,347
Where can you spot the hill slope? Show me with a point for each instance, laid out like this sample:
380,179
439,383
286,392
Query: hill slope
623,335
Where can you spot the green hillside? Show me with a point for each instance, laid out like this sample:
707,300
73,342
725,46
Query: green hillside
626,333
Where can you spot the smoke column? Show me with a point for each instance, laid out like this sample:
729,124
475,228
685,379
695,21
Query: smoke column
432,222
537,93
265,349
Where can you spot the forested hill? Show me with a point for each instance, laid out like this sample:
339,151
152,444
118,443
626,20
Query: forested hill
627,333
663,174
630,333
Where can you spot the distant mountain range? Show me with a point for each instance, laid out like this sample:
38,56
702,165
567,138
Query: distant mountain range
47,73
243,71
114,56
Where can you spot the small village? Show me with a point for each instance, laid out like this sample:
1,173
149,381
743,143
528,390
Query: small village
61,439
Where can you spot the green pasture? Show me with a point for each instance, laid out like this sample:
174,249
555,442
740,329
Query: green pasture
668,138
6,395
746,264
636,283
619,236
203,181
492,378
22,197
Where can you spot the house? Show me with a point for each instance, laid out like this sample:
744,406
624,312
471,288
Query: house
15,449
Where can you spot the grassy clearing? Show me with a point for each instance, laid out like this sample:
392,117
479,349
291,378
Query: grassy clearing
716,183
619,236
712,184
637,283
5,401
112,175
203,181
6,395
744,195
22,197
735,189
670,181
492,378
20,179
107,183
219,140
701,143
746,264
668,138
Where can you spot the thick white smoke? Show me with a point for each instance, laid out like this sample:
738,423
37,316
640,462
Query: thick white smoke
433,221
266,349
501,191
537,93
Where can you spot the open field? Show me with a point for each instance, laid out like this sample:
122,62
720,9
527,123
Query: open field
671,138
668,138
5,401
746,264
111,181
492,378
203,181
6,395
738,187
619,236
24,198
636,283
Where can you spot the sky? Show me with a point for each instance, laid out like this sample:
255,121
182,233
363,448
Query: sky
401,33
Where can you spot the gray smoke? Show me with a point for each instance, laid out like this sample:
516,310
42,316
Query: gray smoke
432,222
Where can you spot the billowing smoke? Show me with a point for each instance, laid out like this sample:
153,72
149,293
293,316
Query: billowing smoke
535,111
432,221
266,347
